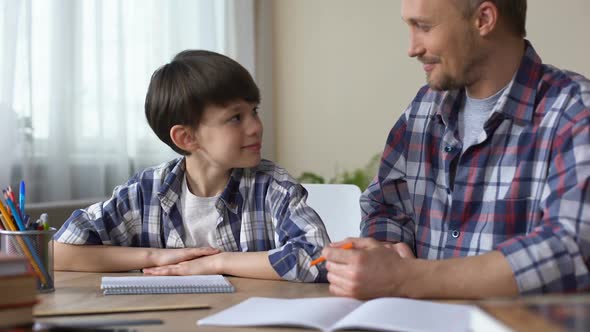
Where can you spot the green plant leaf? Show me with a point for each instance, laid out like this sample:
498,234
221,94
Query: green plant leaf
360,177
309,177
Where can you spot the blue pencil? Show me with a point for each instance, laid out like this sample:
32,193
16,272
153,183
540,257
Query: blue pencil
21,227
21,198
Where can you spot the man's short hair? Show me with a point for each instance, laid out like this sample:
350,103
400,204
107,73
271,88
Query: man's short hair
180,91
513,12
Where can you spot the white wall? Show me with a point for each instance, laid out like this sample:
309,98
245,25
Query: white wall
560,32
264,54
342,77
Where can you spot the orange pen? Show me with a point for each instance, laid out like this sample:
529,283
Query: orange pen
322,258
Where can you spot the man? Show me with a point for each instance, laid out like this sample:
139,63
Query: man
486,176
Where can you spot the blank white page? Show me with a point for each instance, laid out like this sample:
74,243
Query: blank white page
400,314
318,313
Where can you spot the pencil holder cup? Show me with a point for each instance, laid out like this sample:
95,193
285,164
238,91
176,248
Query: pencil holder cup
37,247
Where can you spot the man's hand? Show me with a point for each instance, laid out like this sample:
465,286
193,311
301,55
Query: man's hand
375,269
162,257
370,269
401,248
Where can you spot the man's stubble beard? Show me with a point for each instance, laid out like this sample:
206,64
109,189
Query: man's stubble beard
468,75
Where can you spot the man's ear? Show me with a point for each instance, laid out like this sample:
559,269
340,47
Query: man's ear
486,19
184,138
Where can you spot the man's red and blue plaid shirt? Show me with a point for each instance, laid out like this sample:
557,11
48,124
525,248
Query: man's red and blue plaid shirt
523,189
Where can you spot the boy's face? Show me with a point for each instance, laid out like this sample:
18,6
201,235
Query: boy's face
230,136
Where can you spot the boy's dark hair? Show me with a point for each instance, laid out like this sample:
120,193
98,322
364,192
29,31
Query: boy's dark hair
180,91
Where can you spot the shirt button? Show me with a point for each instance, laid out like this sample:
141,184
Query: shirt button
448,148
455,234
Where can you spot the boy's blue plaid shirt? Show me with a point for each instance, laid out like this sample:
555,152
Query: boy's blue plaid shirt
261,209
523,190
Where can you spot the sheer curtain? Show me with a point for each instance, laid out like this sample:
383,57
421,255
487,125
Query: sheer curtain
74,78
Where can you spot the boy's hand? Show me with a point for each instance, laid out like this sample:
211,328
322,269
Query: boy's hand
240,264
209,264
165,257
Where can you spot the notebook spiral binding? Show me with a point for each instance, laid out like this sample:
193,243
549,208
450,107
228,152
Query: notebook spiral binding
130,289
166,285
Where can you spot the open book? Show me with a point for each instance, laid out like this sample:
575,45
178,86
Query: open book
166,284
335,313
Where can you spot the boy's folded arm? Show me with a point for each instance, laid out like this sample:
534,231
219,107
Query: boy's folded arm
116,221
247,264
101,258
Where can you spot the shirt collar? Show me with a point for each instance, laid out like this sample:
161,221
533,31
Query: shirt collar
169,193
517,100
230,196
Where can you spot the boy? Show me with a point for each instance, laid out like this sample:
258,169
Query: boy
222,208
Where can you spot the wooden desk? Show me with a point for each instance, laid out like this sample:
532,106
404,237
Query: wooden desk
82,290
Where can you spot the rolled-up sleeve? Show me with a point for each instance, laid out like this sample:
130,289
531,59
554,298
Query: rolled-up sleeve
300,234
386,208
554,257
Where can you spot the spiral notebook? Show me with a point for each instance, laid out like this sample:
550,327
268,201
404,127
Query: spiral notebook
166,285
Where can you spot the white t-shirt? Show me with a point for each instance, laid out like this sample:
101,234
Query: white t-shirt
473,116
199,217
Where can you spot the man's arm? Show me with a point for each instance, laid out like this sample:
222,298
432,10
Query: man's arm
372,270
240,264
387,211
483,276
554,256
102,258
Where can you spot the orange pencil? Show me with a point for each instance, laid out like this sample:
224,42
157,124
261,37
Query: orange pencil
5,213
322,258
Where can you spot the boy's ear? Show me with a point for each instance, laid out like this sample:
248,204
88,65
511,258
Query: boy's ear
184,138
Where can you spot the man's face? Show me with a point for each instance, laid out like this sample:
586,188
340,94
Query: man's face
444,41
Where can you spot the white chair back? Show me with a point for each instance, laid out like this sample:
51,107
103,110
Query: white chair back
338,206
